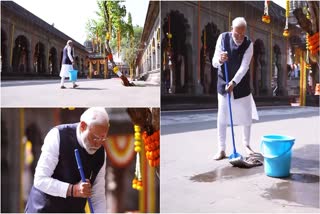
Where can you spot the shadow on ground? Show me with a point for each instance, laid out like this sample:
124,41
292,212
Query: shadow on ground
81,88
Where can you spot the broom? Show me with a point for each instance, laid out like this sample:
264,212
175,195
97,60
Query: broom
83,178
235,158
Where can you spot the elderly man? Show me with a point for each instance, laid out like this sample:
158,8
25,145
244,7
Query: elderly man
57,182
67,64
236,50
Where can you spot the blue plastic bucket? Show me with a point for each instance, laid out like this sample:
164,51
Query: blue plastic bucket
276,150
73,75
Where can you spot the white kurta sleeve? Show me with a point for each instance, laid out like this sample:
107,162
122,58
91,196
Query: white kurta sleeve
98,198
69,53
46,165
244,67
217,53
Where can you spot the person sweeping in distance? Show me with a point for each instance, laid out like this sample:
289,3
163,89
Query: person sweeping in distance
67,64
236,50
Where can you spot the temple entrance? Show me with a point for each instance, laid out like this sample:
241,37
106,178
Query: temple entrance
20,55
4,49
53,63
259,71
276,71
174,55
208,74
39,58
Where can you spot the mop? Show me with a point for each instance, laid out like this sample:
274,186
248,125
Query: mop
235,158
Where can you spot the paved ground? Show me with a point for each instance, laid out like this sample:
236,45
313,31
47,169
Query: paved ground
191,181
102,92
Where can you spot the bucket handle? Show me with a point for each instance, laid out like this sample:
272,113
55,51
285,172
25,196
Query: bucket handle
274,156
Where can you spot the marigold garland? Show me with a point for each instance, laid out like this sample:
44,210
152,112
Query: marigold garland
286,30
266,17
137,181
314,43
152,147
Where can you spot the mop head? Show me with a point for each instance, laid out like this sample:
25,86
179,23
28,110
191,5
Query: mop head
255,159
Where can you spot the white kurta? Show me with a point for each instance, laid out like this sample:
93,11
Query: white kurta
47,163
65,68
243,109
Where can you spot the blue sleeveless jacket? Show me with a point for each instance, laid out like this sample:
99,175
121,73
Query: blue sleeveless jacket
65,58
67,171
235,56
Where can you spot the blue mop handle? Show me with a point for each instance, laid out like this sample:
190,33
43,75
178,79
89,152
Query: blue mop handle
83,177
230,110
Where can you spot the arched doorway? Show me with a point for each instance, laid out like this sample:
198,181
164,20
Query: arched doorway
276,71
39,58
177,51
4,51
259,74
53,62
208,73
20,56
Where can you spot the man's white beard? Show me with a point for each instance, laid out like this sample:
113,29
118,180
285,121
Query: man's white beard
235,41
86,144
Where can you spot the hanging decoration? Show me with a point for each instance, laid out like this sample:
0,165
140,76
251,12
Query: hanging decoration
118,40
152,147
314,43
169,35
308,65
266,17
137,181
120,150
108,51
286,28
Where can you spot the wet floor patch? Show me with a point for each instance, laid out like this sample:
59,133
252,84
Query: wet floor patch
225,173
295,189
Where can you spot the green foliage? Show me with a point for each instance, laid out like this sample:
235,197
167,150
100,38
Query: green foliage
111,15
131,46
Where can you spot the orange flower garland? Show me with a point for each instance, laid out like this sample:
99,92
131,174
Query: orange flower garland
137,181
266,17
314,43
286,28
152,147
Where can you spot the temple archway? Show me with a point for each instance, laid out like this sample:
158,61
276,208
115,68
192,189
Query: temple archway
259,74
175,48
208,76
4,51
20,55
53,62
277,72
39,58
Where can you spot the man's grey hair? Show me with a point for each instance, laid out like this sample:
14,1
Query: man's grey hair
69,41
95,116
239,22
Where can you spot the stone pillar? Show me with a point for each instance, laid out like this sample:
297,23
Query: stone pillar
106,69
46,59
90,69
98,66
11,46
156,50
151,56
196,88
